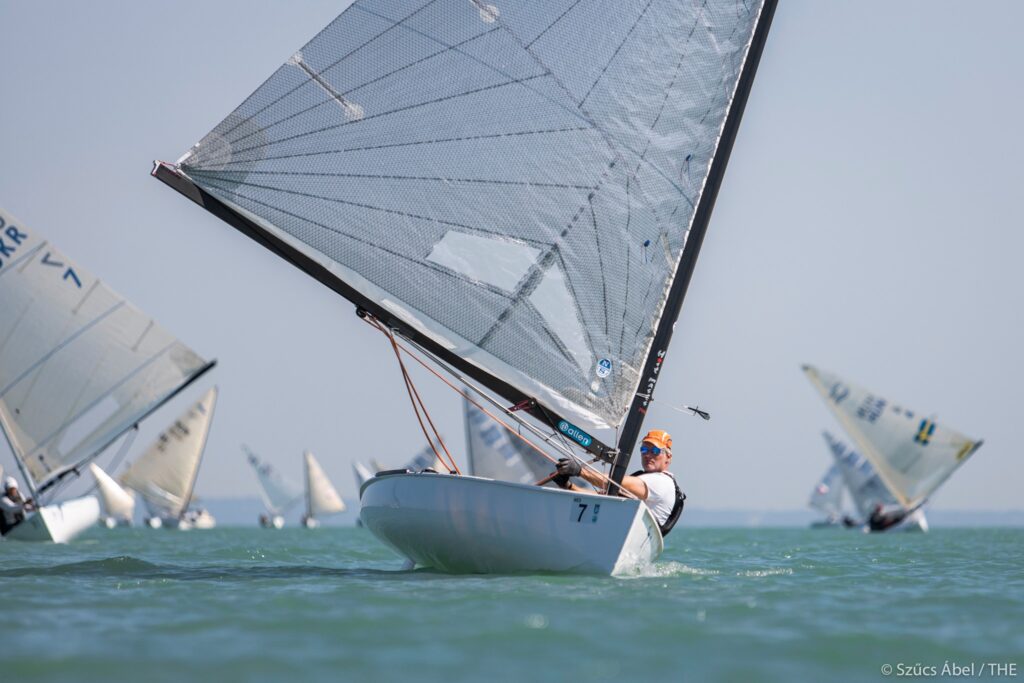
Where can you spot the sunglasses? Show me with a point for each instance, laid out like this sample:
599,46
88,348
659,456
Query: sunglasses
652,450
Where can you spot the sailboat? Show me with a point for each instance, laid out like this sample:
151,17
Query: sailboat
79,368
514,194
495,453
165,474
827,498
912,454
118,504
321,497
866,488
279,495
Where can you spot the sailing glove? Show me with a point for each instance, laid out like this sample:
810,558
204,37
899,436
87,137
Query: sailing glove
569,467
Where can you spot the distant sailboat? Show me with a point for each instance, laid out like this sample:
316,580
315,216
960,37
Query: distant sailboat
321,497
493,452
912,455
279,495
517,194
79,367
827,498
118,504
165,475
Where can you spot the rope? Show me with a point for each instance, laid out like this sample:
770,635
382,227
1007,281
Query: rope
370,320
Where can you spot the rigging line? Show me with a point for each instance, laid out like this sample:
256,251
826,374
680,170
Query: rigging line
615,54
519,421
333,64
415,399
372,176
494,86
354,238
315,76
558,19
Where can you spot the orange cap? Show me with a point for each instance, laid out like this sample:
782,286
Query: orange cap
659,438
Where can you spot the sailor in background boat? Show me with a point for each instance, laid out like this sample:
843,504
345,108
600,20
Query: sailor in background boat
654,484
12,506
881,519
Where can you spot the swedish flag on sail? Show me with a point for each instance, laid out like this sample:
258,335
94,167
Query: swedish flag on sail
924,432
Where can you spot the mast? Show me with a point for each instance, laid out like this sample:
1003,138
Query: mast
688,259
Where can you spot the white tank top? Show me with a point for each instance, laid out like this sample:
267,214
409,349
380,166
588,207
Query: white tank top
661,494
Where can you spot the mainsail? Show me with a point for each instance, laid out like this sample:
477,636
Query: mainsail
79,365
117,502
865,486
166,473
827,496
321,497
521,188
912,453
279,495
495,453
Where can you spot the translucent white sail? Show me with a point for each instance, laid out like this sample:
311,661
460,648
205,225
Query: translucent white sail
517,184
867,490
827,496
166,473
279,495
79,365
495,453
362,473
117,502
322,498
912,453
425,459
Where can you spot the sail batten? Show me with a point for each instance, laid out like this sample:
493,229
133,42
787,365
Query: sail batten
79,365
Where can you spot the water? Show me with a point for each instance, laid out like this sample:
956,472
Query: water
331,604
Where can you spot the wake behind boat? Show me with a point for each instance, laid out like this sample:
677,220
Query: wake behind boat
515,196
79,368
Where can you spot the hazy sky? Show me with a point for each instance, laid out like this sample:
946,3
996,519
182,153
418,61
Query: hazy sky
869,223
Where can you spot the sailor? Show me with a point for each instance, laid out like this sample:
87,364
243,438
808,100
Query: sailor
654,484
12,506
880,519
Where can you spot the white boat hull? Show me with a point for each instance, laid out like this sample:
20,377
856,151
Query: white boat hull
463,524
58,523
114,522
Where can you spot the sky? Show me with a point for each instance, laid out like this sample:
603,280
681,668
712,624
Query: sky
868,223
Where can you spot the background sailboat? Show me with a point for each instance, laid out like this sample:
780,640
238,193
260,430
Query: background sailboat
278,494
118,504
912,454
322,498
79,367
827,498
165,474
493,452
520,194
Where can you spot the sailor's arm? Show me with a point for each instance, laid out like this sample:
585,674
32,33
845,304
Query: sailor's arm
634,485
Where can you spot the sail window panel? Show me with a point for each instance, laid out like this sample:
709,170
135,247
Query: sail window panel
499,262
557,306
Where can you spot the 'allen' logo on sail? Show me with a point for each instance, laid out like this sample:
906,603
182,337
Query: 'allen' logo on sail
924,432
575,433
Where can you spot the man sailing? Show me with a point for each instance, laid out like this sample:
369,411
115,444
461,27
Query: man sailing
12,506
654,484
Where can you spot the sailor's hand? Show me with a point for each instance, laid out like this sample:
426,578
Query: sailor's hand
562,481
568,467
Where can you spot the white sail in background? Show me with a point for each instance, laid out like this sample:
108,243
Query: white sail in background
322,498
362,473
117,503
279,495
166,473
827,496
913,454
425,459
867,490
495,453
79,365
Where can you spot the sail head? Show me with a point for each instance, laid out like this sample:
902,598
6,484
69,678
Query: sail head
516,184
